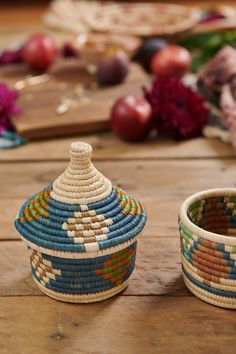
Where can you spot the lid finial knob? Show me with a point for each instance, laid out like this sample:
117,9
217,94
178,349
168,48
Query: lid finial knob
80,151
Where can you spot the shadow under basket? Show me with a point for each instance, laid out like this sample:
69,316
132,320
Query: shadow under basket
207,226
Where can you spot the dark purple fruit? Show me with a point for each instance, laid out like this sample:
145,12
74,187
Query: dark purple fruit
68,50
113,70
148,49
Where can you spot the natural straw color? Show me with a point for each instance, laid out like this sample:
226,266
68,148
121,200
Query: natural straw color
81,233
81,183
83,298
207,225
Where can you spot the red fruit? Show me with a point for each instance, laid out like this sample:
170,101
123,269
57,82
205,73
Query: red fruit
172,60
148,49
131,118
39,51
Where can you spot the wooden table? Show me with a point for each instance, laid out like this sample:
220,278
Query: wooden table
156,314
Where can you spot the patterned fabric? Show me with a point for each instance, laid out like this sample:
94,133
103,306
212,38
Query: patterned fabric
9,139
219,71
217,81
228,107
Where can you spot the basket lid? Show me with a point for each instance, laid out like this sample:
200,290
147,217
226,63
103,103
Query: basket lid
80,213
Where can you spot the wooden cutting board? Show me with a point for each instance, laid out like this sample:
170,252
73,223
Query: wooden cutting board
89,113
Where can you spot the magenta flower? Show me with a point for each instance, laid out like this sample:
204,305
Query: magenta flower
7,107
178,111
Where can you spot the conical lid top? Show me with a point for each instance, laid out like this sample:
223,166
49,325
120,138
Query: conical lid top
80,215
81,183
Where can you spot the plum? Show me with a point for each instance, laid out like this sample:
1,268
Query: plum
148,49
113,70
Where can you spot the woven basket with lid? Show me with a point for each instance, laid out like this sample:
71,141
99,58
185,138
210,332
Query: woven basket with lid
81,233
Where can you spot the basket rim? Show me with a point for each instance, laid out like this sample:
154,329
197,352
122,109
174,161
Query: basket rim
81,255
216,192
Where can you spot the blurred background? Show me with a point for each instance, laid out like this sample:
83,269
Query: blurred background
80,57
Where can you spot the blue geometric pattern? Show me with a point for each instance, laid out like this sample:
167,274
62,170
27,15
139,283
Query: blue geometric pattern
83,276
43,220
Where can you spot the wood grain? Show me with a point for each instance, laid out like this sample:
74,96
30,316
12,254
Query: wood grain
106,146
147,180
39,117
161,185
157,272
132,325
156,313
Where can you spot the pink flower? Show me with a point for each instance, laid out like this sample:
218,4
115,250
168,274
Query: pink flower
7,107
178,111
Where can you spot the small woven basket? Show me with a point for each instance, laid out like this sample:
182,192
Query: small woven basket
207,225
81,233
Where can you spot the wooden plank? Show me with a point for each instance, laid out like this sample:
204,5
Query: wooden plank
165,186
12,15
64,73
146,180
157,272
39,117
108,146
10,208
150,325
161,185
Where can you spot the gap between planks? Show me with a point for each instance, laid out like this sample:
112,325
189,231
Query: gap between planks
132,325
107,147
100,159
162,186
